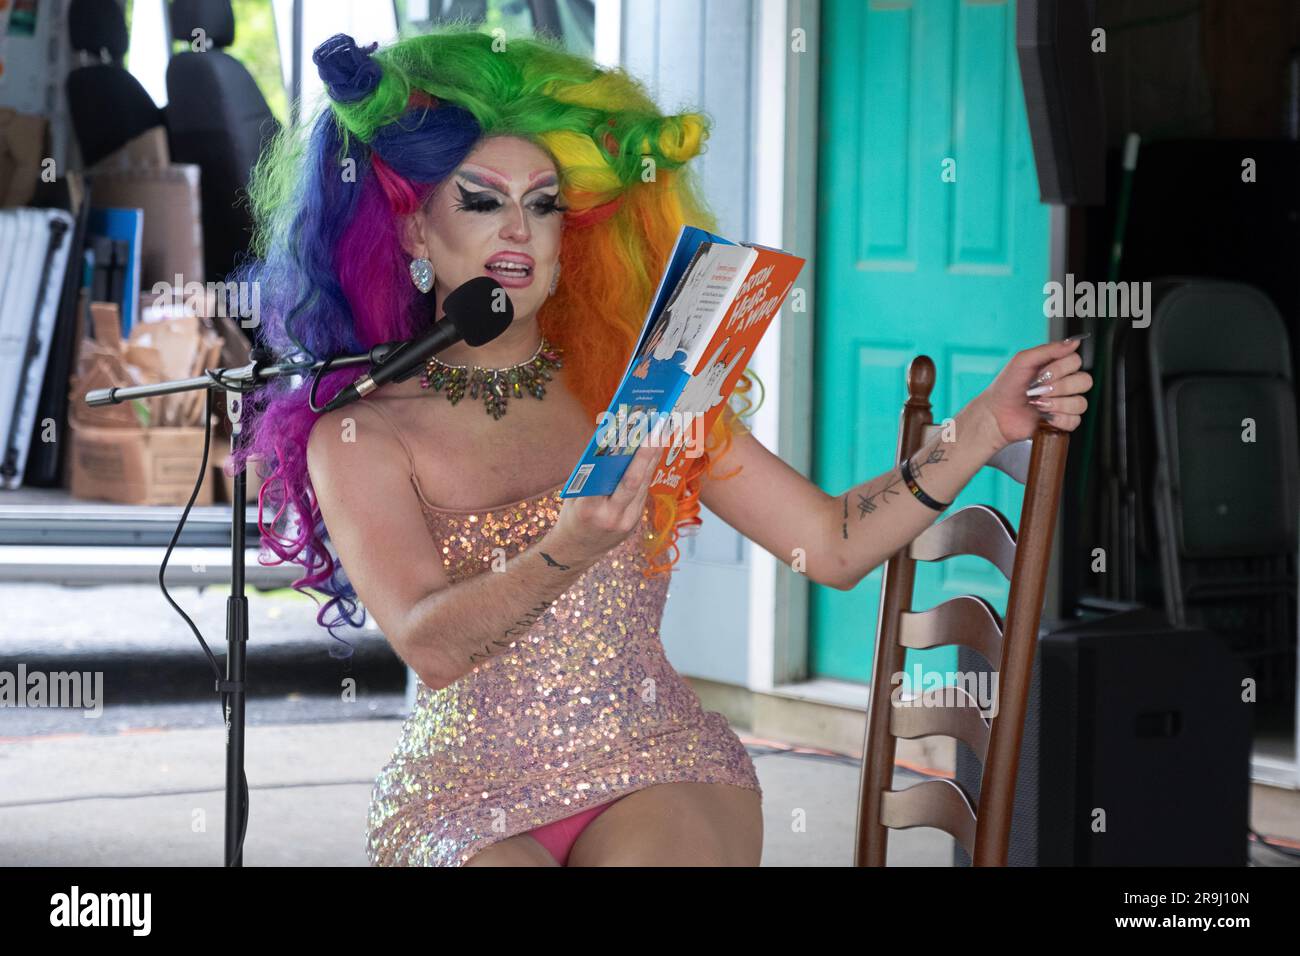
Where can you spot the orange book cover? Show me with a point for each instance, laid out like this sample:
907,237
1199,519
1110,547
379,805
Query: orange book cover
723,359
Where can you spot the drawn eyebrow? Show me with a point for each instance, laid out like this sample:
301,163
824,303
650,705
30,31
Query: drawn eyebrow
549,180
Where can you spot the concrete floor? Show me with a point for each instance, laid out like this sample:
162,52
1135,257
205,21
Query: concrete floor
154,796
144,783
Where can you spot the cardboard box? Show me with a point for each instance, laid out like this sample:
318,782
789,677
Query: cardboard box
148,149
138,466
22,148
173,235
143,451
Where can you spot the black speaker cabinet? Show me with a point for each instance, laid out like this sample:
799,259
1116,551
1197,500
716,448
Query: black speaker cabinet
1063,99
1136,749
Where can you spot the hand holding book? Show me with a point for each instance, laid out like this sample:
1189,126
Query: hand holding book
715,301
590,526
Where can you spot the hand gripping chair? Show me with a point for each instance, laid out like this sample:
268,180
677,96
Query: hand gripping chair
983,831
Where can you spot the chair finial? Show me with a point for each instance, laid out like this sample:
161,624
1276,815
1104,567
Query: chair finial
920,378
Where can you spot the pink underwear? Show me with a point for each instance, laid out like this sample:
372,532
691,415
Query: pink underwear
559,836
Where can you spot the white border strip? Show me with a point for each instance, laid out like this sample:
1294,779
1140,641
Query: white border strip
771,63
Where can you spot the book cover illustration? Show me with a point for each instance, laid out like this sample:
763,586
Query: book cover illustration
719,361
714,302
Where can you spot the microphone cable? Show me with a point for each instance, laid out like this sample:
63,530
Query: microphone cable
241,386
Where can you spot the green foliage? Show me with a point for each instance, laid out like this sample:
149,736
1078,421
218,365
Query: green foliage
255,46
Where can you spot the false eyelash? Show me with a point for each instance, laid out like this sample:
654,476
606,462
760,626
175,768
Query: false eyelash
475,201
550,205
480,202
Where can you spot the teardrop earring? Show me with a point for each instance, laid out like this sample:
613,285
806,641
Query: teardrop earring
555,279
422,274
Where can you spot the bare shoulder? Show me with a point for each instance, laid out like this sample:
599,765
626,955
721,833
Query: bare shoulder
346,436
361,479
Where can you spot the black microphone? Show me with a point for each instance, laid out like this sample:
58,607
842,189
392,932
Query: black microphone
477,312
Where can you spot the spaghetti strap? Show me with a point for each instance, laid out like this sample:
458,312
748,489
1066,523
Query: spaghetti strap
410,459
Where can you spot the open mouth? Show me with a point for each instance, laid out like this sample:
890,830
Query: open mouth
510,268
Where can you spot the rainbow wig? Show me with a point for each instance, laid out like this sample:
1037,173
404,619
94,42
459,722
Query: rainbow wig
333,275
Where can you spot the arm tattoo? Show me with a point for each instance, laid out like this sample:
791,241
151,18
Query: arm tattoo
867,504
527,621
552,562
936,454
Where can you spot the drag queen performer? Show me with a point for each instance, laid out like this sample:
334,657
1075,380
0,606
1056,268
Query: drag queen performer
549,727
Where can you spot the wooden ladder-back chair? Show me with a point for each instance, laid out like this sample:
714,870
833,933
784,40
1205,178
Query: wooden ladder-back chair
984,832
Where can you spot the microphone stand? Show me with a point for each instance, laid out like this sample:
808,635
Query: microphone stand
235,382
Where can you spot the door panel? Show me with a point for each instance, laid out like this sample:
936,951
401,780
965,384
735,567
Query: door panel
931,239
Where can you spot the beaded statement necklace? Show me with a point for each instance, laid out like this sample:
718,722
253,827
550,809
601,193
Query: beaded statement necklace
497,385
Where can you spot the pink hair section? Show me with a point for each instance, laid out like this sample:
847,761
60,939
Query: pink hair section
372,267
402,197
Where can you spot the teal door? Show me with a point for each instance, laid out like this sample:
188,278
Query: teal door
931,239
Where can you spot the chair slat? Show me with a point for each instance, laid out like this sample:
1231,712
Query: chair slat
949,711
975,530
1007,643
936,803
1013,460
966,619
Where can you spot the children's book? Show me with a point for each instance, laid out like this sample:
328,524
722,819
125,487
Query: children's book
714,302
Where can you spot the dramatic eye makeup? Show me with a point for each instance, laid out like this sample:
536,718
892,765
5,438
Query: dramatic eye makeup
485,200
548,203
475,201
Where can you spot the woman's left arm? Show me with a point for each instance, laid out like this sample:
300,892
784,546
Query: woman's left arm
838,540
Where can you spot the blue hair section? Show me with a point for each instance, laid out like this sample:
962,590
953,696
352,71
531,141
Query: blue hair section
334,281
425,144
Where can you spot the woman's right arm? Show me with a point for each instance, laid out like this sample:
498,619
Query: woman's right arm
443,630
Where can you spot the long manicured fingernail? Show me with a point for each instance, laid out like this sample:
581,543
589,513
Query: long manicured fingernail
1081,336
1040,390
1040,403
1041,378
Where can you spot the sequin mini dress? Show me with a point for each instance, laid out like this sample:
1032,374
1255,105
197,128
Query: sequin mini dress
581,709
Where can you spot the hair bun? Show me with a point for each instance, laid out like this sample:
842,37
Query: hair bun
346,69
681,136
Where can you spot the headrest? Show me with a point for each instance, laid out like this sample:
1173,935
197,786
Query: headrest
214,17
95,25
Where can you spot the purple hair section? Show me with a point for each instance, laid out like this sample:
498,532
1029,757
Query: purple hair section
334,281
